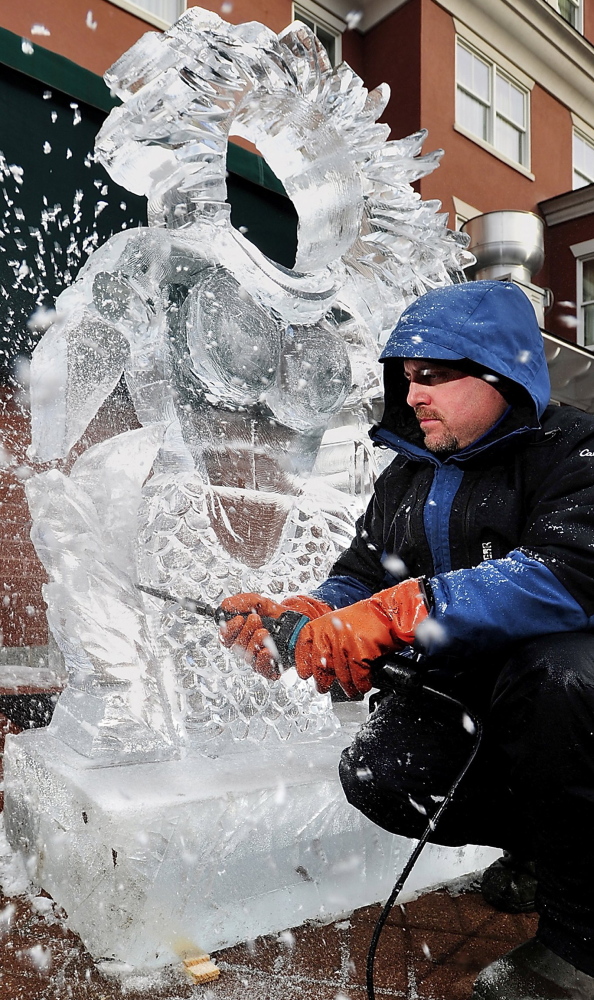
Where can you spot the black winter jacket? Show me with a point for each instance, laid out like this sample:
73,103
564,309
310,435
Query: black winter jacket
503,532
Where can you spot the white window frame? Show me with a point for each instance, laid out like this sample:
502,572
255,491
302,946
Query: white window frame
578,5
463,212
322,18
495,69
589,141
582,252
146,15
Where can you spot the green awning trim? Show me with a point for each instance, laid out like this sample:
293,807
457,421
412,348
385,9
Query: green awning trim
63,74
55,71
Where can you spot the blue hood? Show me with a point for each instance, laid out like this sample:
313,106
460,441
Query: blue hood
490,322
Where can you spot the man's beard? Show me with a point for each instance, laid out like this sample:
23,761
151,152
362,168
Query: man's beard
446,444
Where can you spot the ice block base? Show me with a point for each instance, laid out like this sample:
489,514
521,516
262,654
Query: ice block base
154,862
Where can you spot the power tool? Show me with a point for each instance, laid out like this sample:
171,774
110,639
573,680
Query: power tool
280,629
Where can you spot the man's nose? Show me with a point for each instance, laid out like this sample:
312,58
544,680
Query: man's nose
418,395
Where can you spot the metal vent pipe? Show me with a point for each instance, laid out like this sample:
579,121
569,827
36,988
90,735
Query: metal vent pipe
506,244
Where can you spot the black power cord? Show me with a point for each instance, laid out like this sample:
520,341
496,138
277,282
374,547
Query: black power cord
398,676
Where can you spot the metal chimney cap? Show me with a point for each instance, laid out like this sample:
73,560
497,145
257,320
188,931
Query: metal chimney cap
506,242
503,211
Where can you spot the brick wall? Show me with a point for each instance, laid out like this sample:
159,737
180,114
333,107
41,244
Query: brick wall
22,609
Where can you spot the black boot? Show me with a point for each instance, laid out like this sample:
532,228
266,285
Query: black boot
509,884
532,972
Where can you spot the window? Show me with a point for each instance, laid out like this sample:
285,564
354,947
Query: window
326,26
586,287
583,160
463,212
159,12
570,11
490,105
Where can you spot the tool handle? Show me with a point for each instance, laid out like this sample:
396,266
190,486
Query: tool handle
282,630
396,671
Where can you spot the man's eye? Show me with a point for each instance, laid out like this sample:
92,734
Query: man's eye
431,376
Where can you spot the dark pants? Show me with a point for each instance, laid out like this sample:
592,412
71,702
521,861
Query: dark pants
530,789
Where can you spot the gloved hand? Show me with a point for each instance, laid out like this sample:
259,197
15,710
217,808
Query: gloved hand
246,630
343,644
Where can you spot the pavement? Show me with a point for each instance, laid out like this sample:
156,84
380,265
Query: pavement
431,948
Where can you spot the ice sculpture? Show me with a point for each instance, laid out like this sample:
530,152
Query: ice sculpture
235,366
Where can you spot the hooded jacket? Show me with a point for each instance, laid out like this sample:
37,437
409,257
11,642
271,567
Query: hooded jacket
502,531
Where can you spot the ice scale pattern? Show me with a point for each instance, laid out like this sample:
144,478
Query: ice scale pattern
178,549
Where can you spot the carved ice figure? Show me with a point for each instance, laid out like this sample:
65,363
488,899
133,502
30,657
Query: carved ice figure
235,366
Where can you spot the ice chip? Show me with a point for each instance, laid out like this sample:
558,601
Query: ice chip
353,19
417,805
270,645
431,633
395,566
27,47
21,371
6,917
42,904
90,21
40,29
468,724
40,957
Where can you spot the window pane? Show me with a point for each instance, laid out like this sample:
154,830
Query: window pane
588,280
589,326
509,140
167,10
569,10
482,78
472,115
583,159
328,41
474,74
464,67
306,20
511,101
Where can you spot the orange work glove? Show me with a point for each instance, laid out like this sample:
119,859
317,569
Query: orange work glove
247,631
343,644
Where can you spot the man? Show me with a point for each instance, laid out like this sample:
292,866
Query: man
486,516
